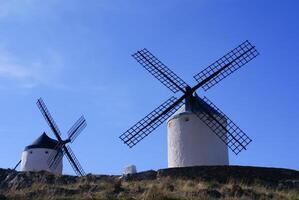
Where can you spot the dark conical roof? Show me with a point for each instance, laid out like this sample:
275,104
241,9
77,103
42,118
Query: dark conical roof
204,106
43,141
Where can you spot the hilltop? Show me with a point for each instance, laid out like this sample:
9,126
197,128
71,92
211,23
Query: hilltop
190,183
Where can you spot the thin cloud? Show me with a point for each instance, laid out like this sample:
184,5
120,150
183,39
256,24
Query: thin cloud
25,9
29,73
16,7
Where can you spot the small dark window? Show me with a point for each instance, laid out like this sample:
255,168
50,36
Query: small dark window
30,152
186,119
46,152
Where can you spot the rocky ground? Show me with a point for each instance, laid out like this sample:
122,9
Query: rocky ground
213,182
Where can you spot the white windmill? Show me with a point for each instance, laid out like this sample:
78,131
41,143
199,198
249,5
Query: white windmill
198,133
46,153
36,155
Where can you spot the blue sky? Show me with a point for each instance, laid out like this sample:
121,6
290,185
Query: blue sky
76,56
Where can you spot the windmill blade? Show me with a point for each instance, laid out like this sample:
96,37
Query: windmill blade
55,159
42,107
55,156
160,71
17,165
77,128
149,123
229,63
221,125
73,160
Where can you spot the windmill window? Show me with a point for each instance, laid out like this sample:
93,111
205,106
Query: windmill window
30,152
186,119
46,152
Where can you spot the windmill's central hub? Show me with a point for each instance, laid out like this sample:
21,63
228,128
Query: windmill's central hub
188,91
66,141
188,98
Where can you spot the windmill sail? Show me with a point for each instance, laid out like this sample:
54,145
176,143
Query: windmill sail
73,161
44,110
221,125
230,62
55,157
160,71
149,123
77,128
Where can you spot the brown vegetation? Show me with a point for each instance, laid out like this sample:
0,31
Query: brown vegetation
169,184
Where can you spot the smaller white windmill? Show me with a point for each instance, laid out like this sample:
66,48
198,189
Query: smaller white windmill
46,153
35,156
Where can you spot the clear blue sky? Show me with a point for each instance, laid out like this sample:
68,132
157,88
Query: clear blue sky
76,56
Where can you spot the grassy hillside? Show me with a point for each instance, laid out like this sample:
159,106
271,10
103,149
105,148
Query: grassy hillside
215,182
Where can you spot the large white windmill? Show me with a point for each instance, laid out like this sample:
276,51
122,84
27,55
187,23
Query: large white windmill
198,133
46,153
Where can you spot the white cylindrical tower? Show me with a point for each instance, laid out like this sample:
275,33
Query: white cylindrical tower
35,156
131,169
192,143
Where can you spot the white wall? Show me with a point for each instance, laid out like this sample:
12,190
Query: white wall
131,169
36,159
192,143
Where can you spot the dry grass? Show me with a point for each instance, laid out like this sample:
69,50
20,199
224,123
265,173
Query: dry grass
164,189
46,186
